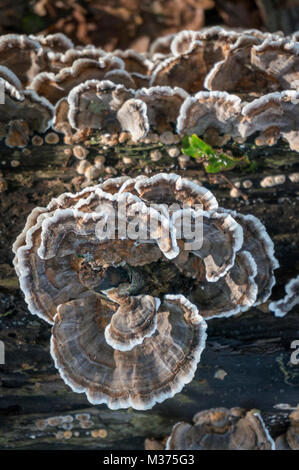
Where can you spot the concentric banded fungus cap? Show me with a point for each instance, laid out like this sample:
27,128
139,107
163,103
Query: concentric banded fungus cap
279,60
234,293
276,110
222,429
22,55
221,239
169,188
94,104
163,105
259,244
54,87
186,70
216,110
134,320
148,374
290,440
283,306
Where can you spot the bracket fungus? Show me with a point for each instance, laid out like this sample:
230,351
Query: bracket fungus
222,429
127,288
290,439
281,307
183,84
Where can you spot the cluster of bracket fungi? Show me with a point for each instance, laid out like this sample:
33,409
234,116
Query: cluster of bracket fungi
129,314
231,84
228,429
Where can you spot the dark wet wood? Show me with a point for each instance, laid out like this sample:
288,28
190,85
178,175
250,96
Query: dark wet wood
251,352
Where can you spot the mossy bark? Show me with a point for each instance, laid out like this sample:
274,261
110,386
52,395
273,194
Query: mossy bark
247,359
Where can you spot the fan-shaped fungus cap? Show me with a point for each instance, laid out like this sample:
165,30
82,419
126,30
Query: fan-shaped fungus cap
290,300
24,113
259,244
234,293
54,87
279,110
94,104
162,364
187,70
222,429
163,105
217,110
279,59
290,440
57,42
22,55
134,320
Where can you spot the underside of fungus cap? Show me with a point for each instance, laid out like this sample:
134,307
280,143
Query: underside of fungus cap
217,110
261,248
132,116
232,294
162,364
222,429
281,307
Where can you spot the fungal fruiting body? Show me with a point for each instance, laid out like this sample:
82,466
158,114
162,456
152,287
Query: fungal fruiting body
214,80
128,272
222,429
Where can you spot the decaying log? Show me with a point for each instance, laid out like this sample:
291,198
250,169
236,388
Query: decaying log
247,359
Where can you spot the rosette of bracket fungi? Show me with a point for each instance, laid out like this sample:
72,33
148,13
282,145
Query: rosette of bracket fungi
289,301
258,67
66,265
22,55
54,87
215,110
222,429
290,439
105,105
163,105
23,114
273,115
54,255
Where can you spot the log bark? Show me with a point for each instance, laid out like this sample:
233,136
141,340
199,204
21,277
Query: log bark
247,358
